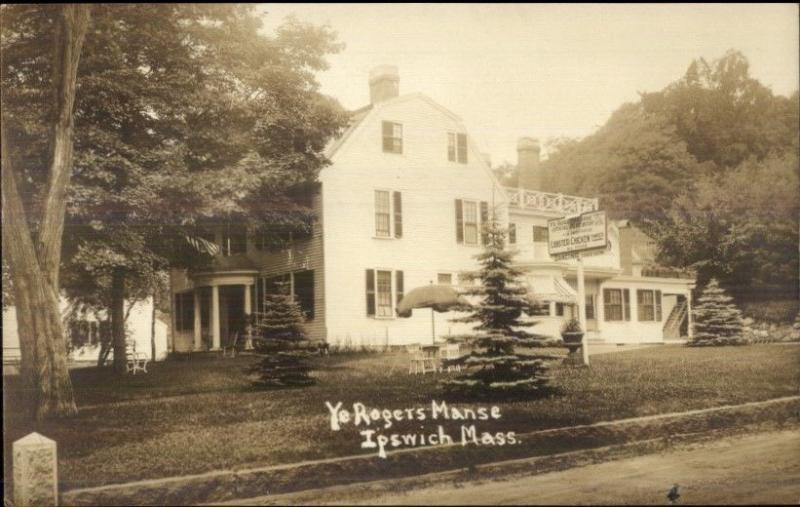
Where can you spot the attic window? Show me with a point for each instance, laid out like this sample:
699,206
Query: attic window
392,137
457,147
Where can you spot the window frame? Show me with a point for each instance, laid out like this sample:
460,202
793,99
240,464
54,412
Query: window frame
654,307
465,222
390,140
396,291
543,309
388,213
542,230
624,304
395,214
512,233
389,295
457,147
440,274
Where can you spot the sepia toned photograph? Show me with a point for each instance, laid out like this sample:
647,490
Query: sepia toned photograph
400,254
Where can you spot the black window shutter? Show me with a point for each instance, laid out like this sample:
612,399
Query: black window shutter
462,148
371,292
484,221
459,221
398,285
626,303
658,306
398,215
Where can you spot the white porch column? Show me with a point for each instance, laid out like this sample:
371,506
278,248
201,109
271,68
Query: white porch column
690,329
248,310
215,334
198,332
247,303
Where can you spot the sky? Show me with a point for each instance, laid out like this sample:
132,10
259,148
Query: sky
544,71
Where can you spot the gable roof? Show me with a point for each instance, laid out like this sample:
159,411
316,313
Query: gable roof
359,116
356,117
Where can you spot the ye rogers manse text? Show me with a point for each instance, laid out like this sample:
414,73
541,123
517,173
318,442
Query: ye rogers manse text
361,415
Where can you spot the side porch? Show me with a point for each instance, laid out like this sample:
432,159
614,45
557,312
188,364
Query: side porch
212,310
620,309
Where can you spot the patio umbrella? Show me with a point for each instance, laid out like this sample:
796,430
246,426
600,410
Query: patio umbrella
440,298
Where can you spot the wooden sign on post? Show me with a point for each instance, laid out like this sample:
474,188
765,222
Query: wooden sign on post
581,233
574,237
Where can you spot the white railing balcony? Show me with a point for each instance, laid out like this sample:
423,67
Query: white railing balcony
534,200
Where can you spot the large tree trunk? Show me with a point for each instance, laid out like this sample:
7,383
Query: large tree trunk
118,320
43,348
35,261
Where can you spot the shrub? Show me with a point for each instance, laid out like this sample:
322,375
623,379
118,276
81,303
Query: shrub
717,321
496,367
282,344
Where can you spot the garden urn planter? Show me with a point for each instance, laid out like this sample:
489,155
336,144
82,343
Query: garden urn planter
573,341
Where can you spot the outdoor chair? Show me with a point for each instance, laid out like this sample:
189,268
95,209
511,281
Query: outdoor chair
423,359
135,361
450,351
231,347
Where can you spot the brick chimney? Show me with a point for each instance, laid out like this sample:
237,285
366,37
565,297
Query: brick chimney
530,177
384,83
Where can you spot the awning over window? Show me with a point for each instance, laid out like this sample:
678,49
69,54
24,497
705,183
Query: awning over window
550,288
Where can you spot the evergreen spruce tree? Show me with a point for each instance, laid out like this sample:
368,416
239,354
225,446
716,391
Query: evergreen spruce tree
495,368
282,344
717,320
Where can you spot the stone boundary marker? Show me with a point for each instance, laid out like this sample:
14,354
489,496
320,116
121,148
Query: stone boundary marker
229,485
35,471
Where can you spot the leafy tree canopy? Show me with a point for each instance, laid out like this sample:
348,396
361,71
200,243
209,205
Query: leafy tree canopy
185,115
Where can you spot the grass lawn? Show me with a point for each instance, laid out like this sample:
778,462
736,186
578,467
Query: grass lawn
195,416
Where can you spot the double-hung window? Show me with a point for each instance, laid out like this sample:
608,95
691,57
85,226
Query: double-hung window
540,234
392,137
457,147
388,214
383,214
648,304
470,217
470,222
382,294
616,304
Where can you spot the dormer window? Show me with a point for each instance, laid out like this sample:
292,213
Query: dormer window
457,147
392,137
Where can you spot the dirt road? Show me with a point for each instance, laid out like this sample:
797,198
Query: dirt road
754,469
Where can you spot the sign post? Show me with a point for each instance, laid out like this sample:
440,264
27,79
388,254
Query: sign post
575,237
582,311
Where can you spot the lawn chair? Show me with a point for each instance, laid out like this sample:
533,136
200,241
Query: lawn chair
135,361
423,359
450,351
231,347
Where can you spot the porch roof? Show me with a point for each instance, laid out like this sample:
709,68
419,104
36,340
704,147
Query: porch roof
550,288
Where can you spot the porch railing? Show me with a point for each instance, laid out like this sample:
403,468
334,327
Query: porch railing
546,201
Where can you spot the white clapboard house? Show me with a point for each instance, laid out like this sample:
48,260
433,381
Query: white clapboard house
401,206
84,332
